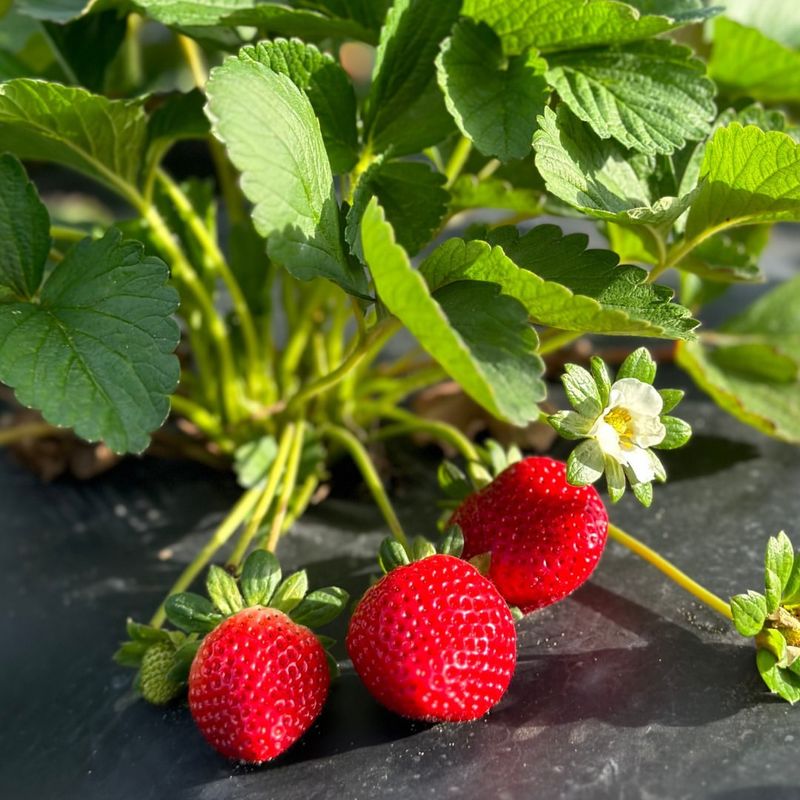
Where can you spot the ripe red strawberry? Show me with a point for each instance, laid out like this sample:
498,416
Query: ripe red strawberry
544,535
257,683
434,640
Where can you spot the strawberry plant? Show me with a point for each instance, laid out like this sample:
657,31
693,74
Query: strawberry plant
345,238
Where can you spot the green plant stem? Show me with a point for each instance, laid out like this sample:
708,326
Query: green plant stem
63,233
439,430
266,497
221,535
458,160
371,344
184,273
287,488
359,454
201,417
300,502
30,430
671,571
218,262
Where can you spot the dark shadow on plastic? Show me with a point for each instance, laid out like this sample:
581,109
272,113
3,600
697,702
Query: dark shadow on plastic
705,455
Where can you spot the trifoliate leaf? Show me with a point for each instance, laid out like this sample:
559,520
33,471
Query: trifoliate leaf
273,137
104,139
261,575
572,24
678,433
223,591
328,89
290,592
24,230
746,63
749,612
585,464
405,109
412,196
748,176
640,365
94,350
597,176
651,96
494,100
320,607
481,337
562,284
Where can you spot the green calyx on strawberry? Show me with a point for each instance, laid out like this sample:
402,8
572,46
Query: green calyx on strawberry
433,639
773,619
161,658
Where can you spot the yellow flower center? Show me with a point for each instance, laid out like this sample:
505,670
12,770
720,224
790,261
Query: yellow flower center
621,421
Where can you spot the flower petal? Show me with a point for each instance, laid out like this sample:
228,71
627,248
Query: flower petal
648,431
640,463
637,397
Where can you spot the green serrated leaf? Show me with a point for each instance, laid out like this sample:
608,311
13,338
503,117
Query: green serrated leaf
94,352
405,109
290,592
650,96
252,460
494,100
749,612
320,607
639,365
469,191
273,137
24,230
192,613
585,464
597,176
104,139
391,555
561,283
412,196
327,87
771,72
481,337
452,543
748,176
261,575
572,24
223,591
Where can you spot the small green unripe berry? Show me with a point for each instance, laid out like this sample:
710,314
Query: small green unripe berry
155,686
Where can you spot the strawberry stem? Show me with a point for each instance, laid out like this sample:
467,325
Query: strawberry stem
671,571
364,462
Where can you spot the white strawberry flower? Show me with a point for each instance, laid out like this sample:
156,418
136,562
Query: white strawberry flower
619,424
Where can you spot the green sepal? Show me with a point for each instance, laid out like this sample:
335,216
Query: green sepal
643,492
671,398
192,613
749,612
138,632
585,464
640,365
261,575
333,665
570,424
291,592
791,592
453,481
779,559
320,607
392,554
678,433
130,654
453,542
516,613
326,641
479,475
601,378
182,661
223,591
582,391
783,682
422,548
615,479
773,640
482,562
